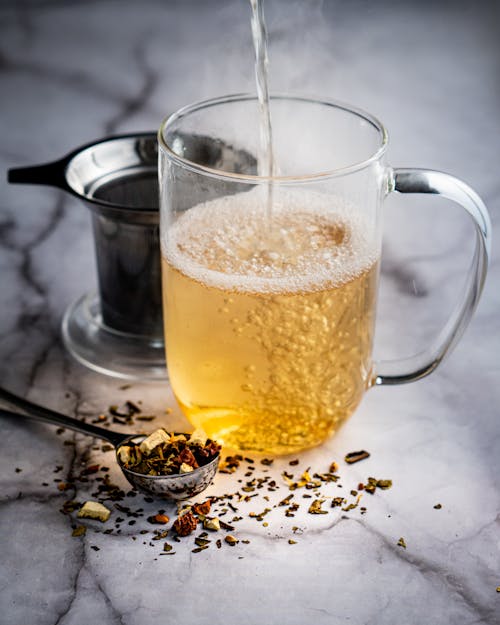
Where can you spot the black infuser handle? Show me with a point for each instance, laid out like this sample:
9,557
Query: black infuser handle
49,174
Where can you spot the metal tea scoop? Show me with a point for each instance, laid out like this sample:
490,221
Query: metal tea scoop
179,486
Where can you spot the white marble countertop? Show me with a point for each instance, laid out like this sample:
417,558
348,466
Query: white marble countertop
71,72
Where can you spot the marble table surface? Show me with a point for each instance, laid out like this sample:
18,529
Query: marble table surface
74,71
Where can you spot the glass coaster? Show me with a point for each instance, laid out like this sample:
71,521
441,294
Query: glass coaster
102,349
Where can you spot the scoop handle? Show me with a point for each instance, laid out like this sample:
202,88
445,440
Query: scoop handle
40,413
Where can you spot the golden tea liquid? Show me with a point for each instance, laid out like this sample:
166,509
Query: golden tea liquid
268,320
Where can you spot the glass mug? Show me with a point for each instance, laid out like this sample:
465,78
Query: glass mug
270,284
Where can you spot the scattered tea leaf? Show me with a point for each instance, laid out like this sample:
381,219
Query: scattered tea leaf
356,456
315,507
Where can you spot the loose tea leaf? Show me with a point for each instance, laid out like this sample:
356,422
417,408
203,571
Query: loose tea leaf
315,507
162,453
402,543
356,456
374,483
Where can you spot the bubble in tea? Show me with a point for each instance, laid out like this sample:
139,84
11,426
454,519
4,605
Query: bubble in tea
269,318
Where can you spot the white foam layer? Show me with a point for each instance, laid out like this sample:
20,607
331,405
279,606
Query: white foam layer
310,242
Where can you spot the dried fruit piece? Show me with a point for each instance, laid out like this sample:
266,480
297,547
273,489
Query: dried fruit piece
94,510
202,508
159,519
198,437
153,440
212,524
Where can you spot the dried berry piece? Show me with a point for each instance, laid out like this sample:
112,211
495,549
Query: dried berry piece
185,524
186,457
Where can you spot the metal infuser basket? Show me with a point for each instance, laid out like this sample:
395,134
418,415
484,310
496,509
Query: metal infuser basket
119,330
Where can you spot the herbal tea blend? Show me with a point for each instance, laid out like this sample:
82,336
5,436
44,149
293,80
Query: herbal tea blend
162,453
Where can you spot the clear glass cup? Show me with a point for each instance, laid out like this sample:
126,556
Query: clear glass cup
270,284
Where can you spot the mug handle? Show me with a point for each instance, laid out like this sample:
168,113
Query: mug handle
402,370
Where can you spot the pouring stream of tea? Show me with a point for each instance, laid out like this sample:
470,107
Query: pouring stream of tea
265,158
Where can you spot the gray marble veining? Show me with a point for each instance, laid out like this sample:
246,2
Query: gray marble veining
72,72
